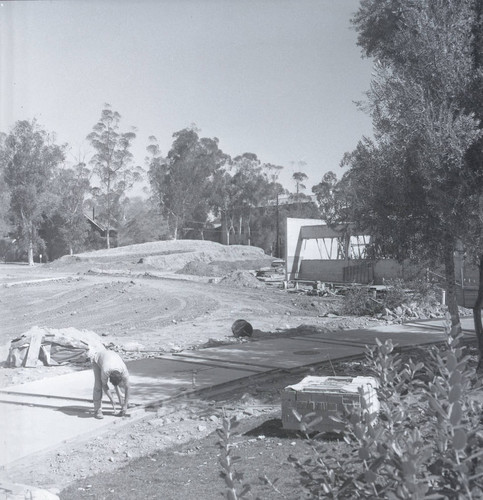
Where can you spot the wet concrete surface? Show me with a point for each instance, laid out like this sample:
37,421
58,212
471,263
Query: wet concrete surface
41,415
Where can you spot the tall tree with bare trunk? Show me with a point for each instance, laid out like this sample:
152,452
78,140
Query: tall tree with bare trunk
113,165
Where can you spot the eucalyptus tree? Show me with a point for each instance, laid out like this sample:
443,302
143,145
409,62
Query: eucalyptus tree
222,199
412,180
335,198
246,185
113,165
142,222
299,178
5,223
241,186
157,167
73,186
29,160
253,184
182,182
473,243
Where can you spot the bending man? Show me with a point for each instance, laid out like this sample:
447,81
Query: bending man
108,366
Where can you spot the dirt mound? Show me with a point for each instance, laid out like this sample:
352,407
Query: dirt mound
198,269
222,268
168,256
240,279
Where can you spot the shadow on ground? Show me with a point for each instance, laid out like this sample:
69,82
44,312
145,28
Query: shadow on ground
274,428
83,412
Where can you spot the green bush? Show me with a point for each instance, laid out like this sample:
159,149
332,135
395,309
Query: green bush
425,292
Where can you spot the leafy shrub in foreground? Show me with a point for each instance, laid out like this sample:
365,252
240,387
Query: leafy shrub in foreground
425,442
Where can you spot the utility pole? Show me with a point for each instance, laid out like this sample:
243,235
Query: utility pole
277,244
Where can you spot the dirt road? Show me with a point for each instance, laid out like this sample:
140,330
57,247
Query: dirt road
142,313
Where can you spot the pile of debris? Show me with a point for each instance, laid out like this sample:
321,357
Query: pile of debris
273,275
220,268
413,311
317,288
241,279
51,347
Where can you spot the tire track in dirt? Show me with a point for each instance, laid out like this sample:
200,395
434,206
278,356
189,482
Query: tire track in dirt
98,304
162,314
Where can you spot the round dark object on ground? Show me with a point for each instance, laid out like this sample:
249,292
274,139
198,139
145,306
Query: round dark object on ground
242,328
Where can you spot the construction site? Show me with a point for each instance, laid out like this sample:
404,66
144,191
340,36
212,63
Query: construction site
168,309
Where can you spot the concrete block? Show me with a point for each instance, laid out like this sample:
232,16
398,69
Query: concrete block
317,399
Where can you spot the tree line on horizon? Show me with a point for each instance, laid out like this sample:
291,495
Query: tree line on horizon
44,201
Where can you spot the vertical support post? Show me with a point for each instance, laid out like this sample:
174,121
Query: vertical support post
277,244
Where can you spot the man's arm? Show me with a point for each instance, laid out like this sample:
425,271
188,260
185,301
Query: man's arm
109,395
126,398
119,397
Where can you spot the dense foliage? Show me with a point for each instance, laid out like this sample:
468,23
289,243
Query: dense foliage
415,186
51,206
29,160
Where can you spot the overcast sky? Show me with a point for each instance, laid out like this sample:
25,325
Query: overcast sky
277,78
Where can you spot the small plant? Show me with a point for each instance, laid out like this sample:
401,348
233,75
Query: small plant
457,416
425,292
233,479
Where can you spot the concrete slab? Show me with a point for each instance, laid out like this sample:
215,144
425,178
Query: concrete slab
44,414
293,352
151,380
159,379
30,429
281,353
405,336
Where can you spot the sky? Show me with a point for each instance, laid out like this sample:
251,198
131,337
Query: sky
278,78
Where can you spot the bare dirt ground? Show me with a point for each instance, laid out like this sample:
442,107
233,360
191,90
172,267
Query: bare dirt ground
139,304
144,310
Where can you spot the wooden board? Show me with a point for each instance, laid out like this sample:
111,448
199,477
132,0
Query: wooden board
34,349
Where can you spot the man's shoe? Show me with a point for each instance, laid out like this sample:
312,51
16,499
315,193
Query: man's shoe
99,415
